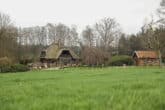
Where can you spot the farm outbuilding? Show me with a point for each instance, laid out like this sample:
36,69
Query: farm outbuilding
55,55
146,58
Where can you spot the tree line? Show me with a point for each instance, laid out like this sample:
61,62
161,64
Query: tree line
96,44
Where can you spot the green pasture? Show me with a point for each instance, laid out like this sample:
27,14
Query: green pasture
111,88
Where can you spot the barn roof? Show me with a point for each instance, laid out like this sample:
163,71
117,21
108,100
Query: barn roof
146,54
53,52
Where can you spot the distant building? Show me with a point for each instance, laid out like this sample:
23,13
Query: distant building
146,58
55,55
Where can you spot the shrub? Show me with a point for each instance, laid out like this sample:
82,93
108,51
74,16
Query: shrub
5,61
121,60
13,68
5,69
19,68
92,56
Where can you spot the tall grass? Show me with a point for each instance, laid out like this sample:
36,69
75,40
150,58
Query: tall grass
84,89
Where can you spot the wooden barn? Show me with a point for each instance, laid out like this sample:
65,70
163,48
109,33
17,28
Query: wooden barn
146,58
55,55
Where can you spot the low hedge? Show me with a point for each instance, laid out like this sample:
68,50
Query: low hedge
121,60
13,68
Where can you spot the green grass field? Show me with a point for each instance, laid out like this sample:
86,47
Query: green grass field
84,89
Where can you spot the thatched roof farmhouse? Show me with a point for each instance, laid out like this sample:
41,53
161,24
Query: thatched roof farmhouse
57,55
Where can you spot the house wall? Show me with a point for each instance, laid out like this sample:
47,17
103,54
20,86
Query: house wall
59,63
147,62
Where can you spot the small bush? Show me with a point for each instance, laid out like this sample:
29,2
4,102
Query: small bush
19,68
13,68
5,61
121,60
5,69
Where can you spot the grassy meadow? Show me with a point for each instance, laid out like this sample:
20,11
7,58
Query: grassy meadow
112,88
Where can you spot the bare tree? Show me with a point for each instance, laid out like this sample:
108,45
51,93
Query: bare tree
88,36
161,12
107,30
72,38
62,33
151,37
93,56
52,34
5,21
8,34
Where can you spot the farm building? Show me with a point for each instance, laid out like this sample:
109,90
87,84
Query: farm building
146,58
55,55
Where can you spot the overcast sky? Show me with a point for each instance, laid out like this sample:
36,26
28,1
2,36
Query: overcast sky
129,13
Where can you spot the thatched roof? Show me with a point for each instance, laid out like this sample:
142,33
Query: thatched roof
53,52
146,54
